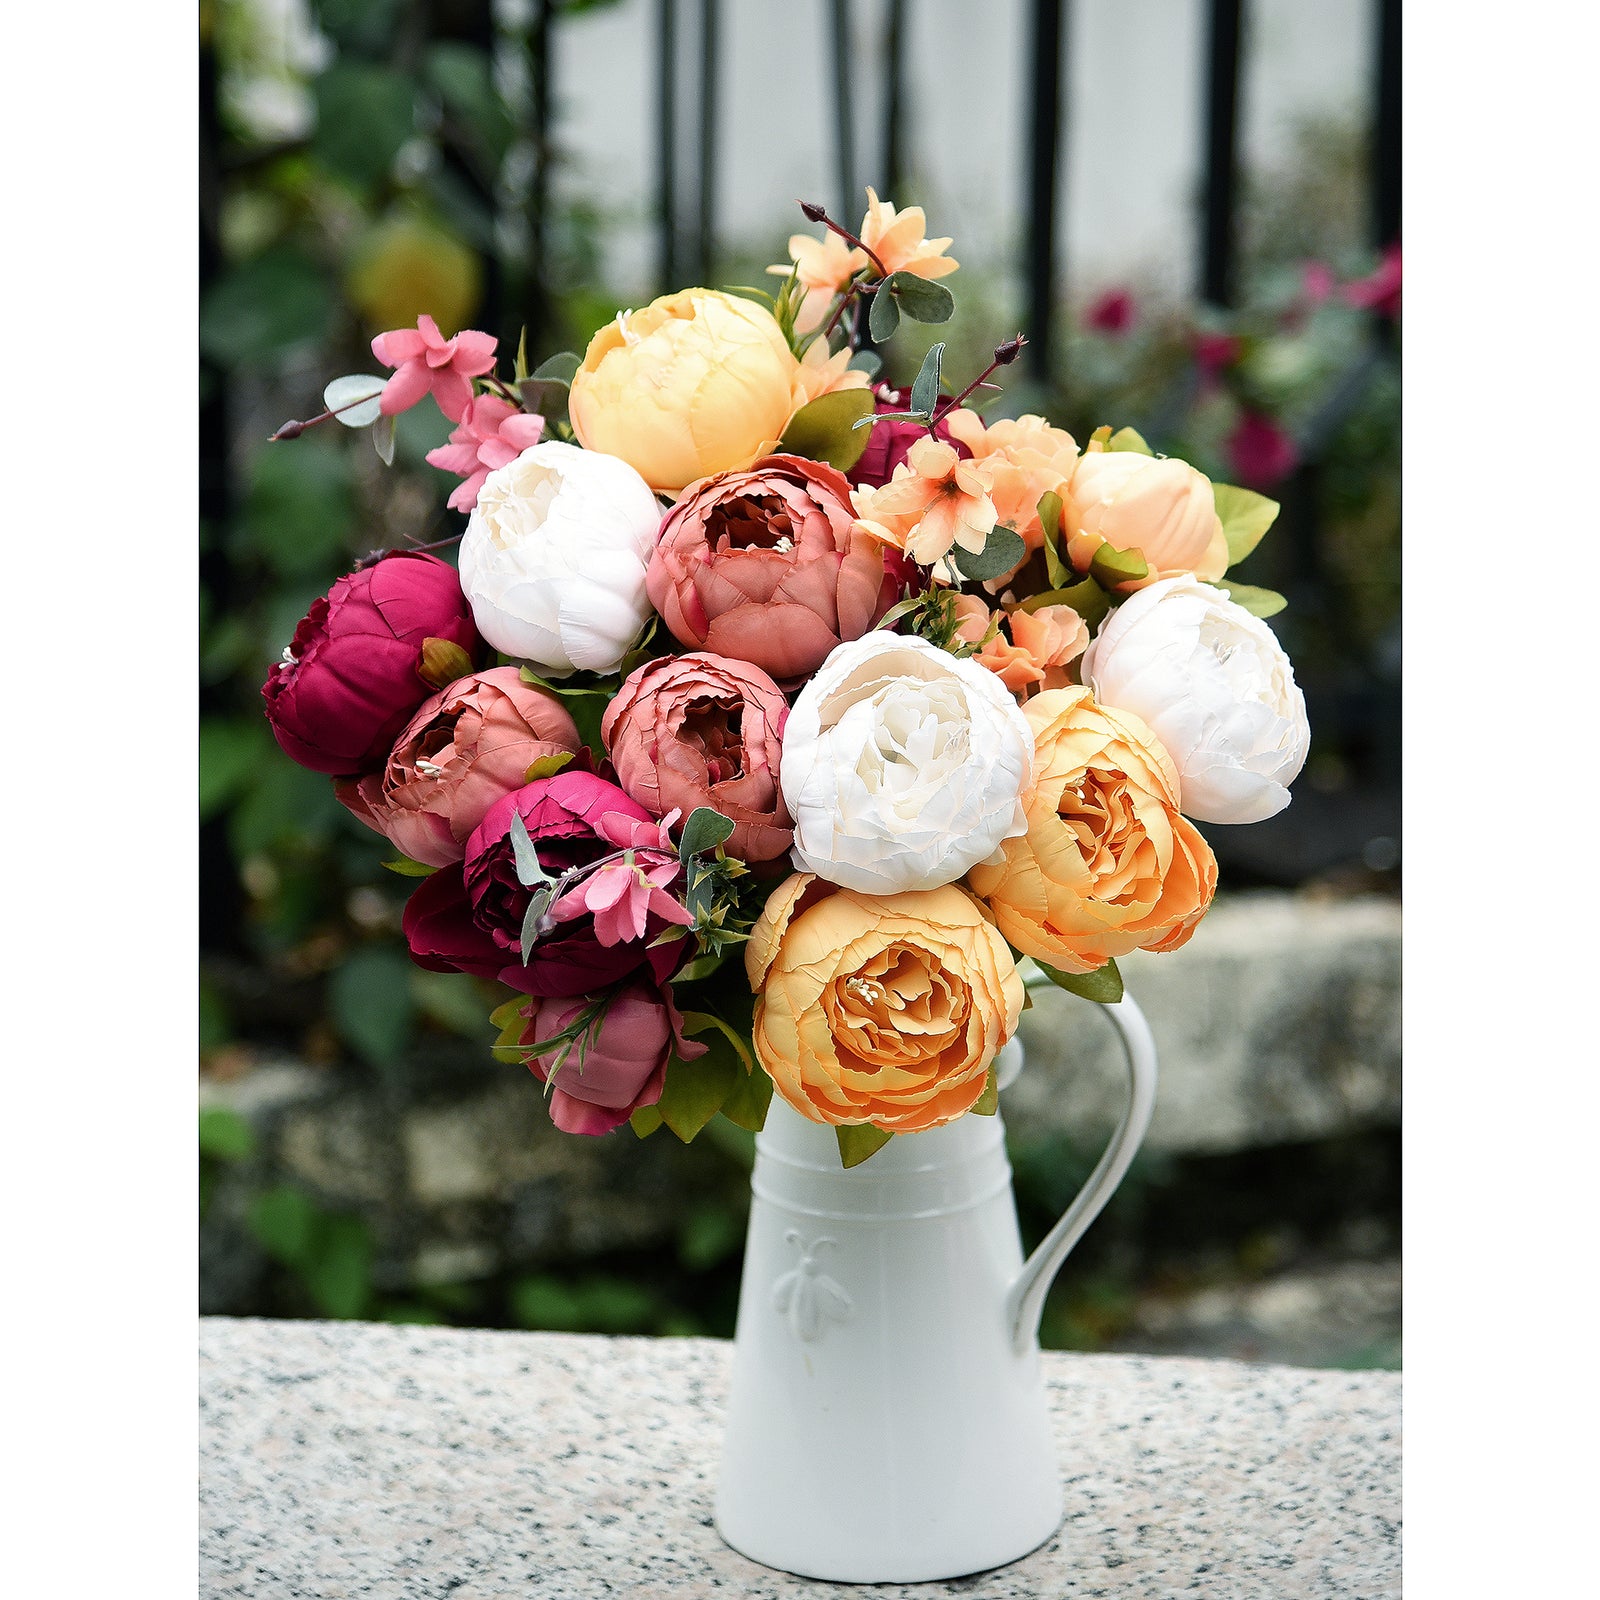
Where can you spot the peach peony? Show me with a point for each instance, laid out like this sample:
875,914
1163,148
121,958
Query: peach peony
695,383
897,239
1028,651
934,500
883,1009
1107,864
1159,506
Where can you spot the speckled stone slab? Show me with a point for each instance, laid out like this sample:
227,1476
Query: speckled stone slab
346,1459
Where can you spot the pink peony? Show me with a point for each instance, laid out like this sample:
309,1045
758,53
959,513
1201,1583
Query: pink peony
623,1061
466,747
426,362
491,433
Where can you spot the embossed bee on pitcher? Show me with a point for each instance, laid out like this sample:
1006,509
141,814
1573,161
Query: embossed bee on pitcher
807,1294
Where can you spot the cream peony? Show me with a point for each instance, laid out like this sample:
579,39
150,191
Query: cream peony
1214,684
902,766
553,561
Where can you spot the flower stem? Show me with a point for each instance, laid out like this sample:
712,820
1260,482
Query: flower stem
1004,355
815,213
293,430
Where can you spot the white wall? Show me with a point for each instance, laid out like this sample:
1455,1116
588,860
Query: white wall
1133,120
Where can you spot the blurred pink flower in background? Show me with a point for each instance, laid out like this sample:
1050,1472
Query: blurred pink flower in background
1214,353
1380,290
1260,453
1317,282
491,433
425,362
1113,312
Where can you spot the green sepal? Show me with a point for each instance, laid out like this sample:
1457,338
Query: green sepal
858,1140
1058,572
825,429
1104,986
1245,517
407,868
547,766
988,1102
1258,602
1111,566
1101,436
747,1103
1002,550
1129,439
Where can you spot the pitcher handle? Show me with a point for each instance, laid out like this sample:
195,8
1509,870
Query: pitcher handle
1025,1303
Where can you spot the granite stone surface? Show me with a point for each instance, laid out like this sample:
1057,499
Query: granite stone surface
345,1460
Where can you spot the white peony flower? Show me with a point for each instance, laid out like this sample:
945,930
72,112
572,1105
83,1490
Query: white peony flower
1217,688
902,766
554,558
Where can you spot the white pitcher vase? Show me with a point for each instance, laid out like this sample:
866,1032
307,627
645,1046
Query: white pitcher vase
887,1419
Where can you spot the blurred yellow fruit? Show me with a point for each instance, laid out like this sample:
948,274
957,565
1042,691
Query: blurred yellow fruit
405,267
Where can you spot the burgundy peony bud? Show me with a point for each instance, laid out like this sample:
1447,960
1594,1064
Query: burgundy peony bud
465,748
704,730
766,565
352,677
891,442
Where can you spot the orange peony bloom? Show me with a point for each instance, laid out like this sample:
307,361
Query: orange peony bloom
896,238
1159,506
885,1009
1107,864
1027,459
934,500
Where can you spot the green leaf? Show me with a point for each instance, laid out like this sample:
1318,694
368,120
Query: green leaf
354,399
538,903
988,1102
925,388
225,1135
867,361
1088,599
749,1099
339,1270
407,868
695,1022
705,830
530,870
256,312
1104,986
1258,602
559,368
284,1221
858,1140
1111,566
1059,573
695,1090
460,73
300,508
564,690
231,749
884,317
370,1001
1002,550
364,114
645,1120
1245,517
547,766
383,437
1129,439
922,299
453,1000
824,430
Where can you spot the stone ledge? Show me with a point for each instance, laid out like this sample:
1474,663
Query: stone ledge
348,1459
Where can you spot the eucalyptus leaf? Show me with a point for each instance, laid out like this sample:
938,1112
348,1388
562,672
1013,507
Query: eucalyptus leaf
383,440
824,430
544,397
1129,439
559,368
1258,602
922,299
530,870
1111,566
1050,521
884,317
1245,517
867,361
858,1140
354,399
705,830
1002,550
925,388
1103,986
538,904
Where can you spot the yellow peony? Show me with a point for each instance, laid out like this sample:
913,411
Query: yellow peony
1107,864
695,383
886,1009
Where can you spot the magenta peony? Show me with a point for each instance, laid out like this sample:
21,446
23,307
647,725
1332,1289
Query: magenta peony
767,566
467,747
890,442
702,730
350,680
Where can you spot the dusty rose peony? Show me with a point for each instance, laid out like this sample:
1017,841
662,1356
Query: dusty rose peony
702,730
767,566
469,745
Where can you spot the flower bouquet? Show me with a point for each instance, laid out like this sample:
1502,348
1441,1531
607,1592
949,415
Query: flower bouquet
771,715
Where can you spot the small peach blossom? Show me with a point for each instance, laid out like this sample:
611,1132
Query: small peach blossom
826,266
897,239
935,500
817,373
